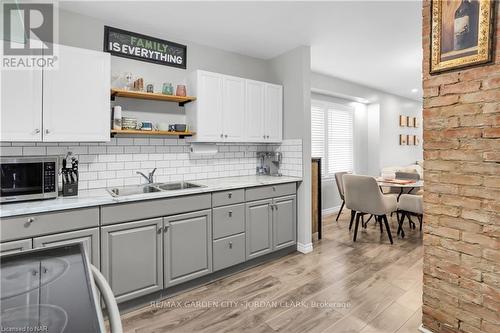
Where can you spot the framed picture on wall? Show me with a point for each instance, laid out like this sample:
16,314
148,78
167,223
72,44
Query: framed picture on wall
461,33
403,139
411,140
411,121
403,121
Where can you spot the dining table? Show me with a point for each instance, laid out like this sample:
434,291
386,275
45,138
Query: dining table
401,184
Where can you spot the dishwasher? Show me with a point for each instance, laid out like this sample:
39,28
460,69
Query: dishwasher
54,289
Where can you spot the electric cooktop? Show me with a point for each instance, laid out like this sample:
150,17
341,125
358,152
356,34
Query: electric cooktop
48,290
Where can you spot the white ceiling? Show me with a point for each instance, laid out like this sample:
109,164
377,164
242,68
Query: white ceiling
373,43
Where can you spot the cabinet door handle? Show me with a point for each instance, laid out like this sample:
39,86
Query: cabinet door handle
230,214
225,135
165,228
47,131
264,136
230,245
272,207
274,188
37,130
222,135
160,229
276,207
229,195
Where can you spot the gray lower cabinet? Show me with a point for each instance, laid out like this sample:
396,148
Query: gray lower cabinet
89,238
228,220
131,258
284,222
15,246
187,246
259,230
229,251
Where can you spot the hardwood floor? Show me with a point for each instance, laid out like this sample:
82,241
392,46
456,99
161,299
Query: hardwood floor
367,287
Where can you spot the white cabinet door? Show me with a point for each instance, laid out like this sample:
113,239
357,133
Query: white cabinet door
209,107
273,119
233,109
21,105
254,111
76,102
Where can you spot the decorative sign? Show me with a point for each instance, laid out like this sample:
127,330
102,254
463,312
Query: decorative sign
132,45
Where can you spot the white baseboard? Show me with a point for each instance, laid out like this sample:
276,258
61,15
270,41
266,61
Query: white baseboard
423,329
304,248
331,210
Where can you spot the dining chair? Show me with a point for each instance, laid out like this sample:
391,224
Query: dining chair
363,196
340,187
410,204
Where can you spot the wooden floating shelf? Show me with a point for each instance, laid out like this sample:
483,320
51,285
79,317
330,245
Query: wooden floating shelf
151,96
139,132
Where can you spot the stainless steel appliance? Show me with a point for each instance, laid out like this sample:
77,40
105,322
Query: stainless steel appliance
28,178
269,163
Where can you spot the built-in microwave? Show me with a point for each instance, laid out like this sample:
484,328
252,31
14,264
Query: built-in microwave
28,178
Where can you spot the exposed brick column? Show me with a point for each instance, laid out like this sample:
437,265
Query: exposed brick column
462,194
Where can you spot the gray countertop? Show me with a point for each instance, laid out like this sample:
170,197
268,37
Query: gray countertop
99,197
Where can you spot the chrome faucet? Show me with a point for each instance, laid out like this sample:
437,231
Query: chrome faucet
149,177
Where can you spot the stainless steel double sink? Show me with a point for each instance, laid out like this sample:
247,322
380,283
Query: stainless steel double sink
150,188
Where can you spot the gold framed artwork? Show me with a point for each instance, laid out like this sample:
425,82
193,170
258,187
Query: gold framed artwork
411,140
461,33
403,121
403,139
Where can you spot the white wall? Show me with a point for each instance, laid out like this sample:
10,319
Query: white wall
376,128
293,70
86,32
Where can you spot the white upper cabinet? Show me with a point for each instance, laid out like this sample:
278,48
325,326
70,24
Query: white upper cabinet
254,111
21,105
76,101
233,109
273,119
69,103
207,87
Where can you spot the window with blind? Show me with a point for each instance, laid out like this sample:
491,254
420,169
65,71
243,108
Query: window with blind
332,136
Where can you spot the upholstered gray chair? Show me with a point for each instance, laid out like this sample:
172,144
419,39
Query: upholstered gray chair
340,187
363,195
410,204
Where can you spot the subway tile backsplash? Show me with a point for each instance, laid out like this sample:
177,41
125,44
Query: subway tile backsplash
115,163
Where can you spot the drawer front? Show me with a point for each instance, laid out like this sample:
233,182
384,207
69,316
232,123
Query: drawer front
153,208
228,197
229,251
271,191
15,246
42,224
89,238
228,220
